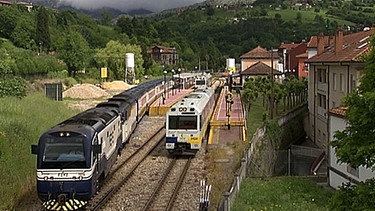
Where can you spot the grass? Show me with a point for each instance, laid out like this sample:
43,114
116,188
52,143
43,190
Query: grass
285,193
307,16
22,121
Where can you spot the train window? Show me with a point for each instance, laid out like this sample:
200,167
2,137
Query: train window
64,153
182,122
200,82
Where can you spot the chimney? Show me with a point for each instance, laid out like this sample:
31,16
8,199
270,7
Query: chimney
338,39
320,43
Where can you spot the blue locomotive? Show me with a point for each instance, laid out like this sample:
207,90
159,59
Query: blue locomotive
75,156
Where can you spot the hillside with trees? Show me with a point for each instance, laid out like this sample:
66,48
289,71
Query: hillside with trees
50,43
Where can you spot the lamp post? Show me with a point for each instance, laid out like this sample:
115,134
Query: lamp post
230,81
179,80
172,81
165,84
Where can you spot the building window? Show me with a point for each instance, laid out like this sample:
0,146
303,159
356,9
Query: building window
322,75
322,101
334,81
353,84
342,83
352,170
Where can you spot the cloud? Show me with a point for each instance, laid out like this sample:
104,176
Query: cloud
126,5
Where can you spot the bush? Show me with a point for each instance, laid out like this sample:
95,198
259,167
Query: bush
69,82
59,74
12,86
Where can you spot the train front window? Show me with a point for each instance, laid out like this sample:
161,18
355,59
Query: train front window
63,152
182,122
200,82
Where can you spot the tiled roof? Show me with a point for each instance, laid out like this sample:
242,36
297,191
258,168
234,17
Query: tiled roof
259,53
5,2
303,55
338,111
163,49
354,45
259,68
288,45
313,43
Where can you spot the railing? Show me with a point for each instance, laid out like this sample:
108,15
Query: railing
318,161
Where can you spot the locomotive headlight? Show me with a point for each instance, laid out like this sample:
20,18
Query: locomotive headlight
61,134
80,176
67,134
182,109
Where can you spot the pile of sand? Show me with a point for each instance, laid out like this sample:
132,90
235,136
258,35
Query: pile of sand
85,91
116,85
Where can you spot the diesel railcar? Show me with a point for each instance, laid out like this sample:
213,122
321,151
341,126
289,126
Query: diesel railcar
187,121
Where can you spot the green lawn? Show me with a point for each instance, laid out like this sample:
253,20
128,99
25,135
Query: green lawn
307,16
285,193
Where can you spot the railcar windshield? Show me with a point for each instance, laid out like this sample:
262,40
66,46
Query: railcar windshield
200,82
183,122
64,152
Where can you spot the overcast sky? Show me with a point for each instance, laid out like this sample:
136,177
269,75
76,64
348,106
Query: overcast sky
125,5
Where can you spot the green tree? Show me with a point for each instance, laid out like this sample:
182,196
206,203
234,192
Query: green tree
210,11
74,51
42,34
8,21
106,18
354,197
249,93
113,57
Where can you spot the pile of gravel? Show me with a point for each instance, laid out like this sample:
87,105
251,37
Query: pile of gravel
116,85
85,91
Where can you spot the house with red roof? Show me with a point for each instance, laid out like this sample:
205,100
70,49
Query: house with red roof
292,58
333,73
259,54
164,55
5,3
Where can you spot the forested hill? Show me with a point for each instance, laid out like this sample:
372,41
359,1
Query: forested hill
205,34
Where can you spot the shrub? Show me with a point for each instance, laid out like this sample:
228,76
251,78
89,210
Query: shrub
12,86
69,82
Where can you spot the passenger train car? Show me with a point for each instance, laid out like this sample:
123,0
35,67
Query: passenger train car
76,155
187,121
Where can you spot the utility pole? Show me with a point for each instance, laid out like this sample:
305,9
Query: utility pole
272,87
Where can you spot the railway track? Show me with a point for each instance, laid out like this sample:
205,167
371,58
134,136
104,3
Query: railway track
124,169
168,188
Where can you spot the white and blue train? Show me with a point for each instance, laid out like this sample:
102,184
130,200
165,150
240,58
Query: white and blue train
188,120
75,156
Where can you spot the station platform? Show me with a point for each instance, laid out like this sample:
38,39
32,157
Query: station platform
227,126
158,108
